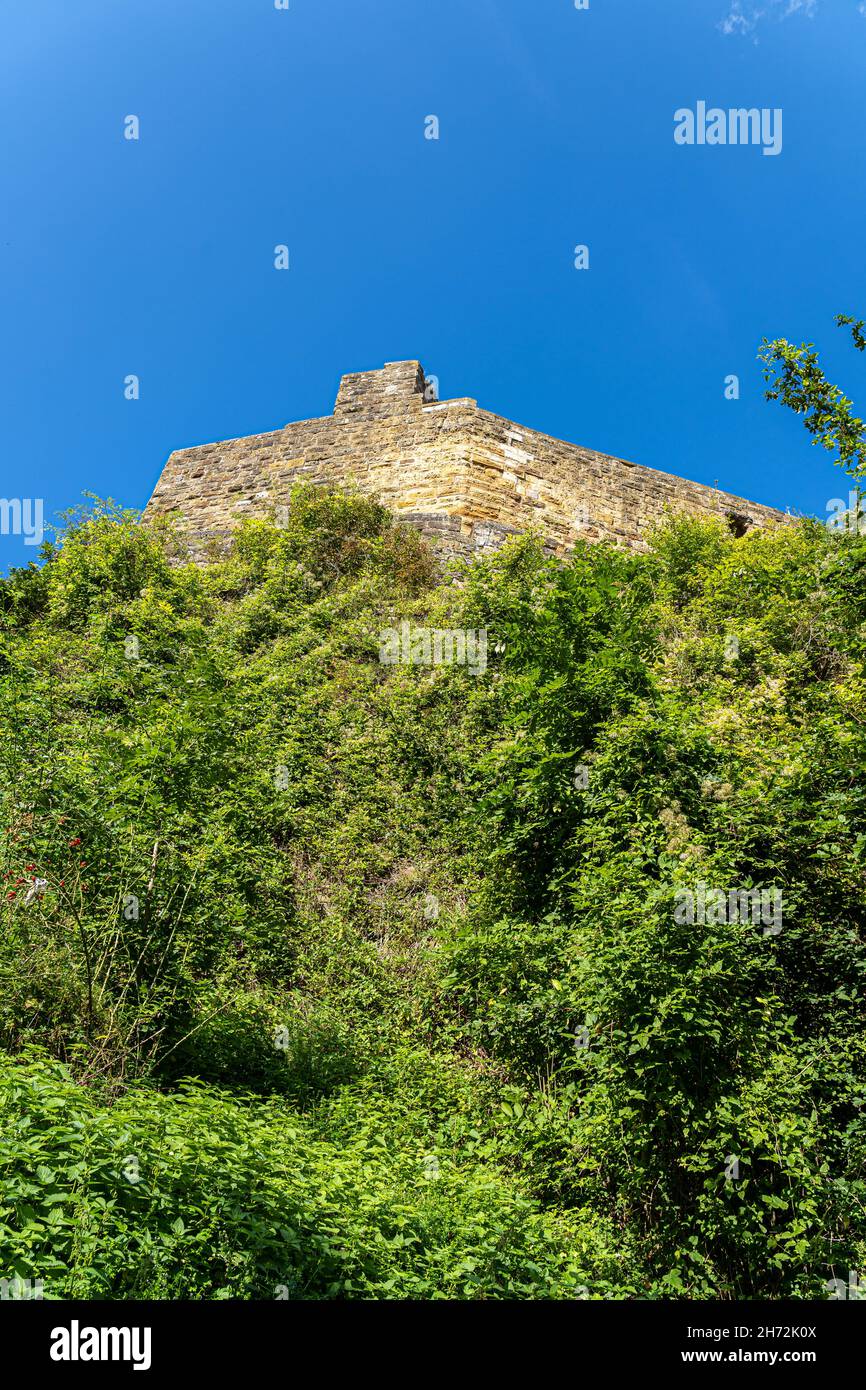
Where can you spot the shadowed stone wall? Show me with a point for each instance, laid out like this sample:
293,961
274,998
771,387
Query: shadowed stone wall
465,477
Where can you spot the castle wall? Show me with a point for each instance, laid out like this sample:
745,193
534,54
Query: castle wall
466,477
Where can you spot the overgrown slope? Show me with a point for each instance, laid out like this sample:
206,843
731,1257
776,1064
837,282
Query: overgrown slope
326,977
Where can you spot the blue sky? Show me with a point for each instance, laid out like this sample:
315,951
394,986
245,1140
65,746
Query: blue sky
306,127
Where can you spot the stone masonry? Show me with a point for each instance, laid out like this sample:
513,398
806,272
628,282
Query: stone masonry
465,477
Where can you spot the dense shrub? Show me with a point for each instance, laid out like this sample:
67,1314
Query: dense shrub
198,1195
379,971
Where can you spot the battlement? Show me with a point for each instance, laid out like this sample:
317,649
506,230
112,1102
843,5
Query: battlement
397,389
465,477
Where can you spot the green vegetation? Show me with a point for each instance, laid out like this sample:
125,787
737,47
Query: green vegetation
795,377
327,978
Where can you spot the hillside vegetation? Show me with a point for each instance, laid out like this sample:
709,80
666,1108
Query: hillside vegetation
324,978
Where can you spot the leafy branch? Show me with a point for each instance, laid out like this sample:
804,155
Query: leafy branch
795,377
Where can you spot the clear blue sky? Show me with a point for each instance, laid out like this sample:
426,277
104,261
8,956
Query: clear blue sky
306,127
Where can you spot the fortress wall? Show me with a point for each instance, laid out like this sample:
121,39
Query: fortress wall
465,476
518,476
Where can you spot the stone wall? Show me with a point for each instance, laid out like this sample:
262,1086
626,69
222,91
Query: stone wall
466,477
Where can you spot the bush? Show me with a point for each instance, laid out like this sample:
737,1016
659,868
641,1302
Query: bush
379,971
